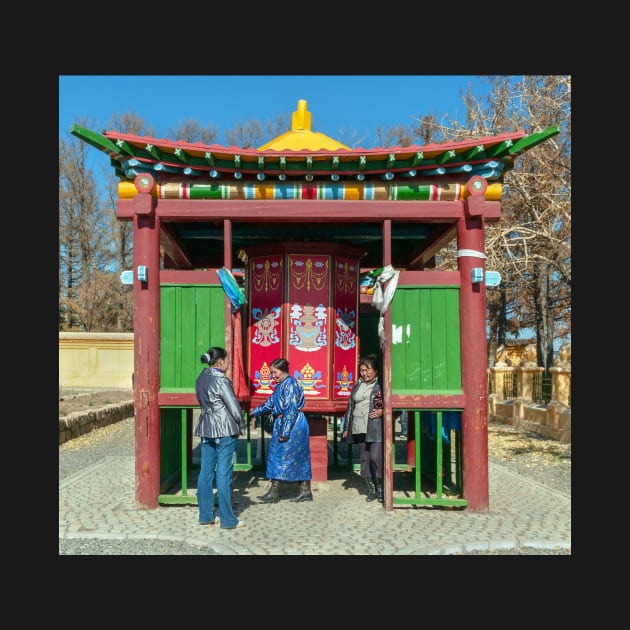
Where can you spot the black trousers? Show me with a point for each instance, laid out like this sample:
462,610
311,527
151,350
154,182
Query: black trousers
370,456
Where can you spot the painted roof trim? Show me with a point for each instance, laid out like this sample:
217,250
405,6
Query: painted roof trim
301,152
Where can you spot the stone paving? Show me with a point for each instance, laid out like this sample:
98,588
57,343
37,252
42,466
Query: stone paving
98,502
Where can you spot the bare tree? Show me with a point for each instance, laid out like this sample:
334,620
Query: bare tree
254,133
130,122
85,251
531,245
246,135
121,296
350,137
394,136
191,131
281,124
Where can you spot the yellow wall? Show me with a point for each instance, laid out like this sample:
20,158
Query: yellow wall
98,360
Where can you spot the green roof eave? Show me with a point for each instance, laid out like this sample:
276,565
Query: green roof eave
528,142
94,139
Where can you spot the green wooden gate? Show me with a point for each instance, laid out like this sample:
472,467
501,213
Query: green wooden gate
192,319
426,348
426,360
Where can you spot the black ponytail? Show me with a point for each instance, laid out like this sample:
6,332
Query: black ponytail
213,355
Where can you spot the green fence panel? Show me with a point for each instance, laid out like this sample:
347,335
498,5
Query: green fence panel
192,319
426,348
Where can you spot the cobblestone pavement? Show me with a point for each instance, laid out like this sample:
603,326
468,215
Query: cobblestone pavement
530,510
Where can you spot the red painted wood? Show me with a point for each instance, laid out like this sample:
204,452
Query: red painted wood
422,278
178,400
318,441
386,382
249,156
185,276
308,210
319,460
470,235
333,407
146,251
229,322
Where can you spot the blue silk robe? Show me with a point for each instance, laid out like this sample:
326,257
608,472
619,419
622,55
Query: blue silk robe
290,460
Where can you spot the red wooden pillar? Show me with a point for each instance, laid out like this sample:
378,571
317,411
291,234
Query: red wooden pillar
146,255
472,306
388,464
318,443
229,323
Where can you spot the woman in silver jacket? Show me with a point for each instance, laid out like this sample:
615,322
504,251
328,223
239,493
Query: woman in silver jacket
220,423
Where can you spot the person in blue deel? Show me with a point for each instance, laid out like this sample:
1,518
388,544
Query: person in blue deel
220,423
289,456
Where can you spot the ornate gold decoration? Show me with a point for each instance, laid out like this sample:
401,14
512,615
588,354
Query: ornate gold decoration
309,274
267,276
346,278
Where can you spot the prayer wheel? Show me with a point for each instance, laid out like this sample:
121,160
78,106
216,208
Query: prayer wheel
303,305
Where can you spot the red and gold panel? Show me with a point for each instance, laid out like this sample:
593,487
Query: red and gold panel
265,330
309,322
346,276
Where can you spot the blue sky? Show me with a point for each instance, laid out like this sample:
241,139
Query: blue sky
338,104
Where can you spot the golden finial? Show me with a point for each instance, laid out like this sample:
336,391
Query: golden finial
301,119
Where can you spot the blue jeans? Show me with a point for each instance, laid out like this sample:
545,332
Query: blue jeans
403,422
219,453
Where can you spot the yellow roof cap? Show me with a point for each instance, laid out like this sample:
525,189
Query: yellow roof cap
301,138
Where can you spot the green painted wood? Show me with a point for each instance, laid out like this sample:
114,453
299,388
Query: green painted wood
177,499
93,138
437,465
192,319
126,147
183,450
426,346
453,340
431,501
528,142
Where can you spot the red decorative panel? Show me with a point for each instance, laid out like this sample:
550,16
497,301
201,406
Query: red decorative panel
345,278
265,329
303,304
309,322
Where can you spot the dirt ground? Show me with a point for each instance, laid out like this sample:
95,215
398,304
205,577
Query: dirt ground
70,401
